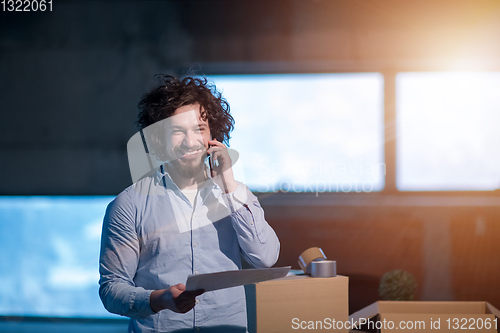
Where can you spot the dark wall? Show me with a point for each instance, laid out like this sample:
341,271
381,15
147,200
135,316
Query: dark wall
70,81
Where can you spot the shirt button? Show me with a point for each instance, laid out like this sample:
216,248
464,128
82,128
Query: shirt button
197,301
194,244
196,272
251,223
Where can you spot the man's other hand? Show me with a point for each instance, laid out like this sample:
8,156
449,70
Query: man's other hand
175,298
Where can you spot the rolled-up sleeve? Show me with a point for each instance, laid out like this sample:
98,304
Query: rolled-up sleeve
118,261
258,242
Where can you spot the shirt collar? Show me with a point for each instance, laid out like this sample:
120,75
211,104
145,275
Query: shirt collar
162,173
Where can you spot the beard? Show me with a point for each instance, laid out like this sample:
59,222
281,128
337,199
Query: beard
189,168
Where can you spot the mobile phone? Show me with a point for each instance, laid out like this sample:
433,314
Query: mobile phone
210,160
210,165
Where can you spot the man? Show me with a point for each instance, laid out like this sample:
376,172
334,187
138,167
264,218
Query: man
184,218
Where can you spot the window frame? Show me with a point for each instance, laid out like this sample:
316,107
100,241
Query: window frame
388,69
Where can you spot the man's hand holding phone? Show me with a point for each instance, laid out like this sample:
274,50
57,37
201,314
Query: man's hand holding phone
220,166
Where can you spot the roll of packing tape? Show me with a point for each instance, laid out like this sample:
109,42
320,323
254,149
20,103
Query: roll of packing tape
308,256
324,268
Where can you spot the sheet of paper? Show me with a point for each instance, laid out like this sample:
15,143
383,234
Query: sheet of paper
228,279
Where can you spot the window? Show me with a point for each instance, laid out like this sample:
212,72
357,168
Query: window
448,131
307,132
50,256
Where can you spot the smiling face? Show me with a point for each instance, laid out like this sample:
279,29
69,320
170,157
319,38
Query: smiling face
187,140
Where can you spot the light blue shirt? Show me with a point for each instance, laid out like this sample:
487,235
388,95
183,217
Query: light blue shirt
154,238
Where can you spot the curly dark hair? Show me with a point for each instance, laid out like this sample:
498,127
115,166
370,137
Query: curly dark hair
171,93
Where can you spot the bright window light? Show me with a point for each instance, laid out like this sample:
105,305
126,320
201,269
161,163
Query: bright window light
49,256
448,135
308,132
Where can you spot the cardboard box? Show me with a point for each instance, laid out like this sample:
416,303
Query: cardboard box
427,317
297,302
